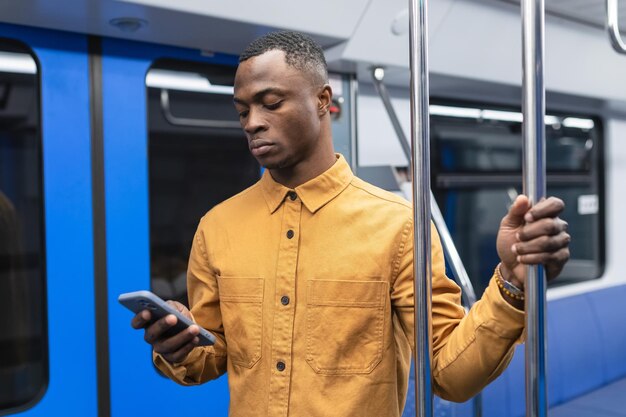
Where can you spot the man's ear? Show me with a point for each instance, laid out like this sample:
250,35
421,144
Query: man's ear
324,99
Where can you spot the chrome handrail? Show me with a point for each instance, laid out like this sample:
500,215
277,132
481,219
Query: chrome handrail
533,128
458,269
188,122
612,23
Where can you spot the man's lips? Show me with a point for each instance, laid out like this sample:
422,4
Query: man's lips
260,147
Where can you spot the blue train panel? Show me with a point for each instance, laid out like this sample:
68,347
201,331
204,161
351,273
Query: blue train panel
65,131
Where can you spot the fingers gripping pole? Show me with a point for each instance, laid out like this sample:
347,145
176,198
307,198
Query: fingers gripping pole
420,167
534,187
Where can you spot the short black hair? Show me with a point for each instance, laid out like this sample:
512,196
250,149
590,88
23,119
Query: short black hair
301,52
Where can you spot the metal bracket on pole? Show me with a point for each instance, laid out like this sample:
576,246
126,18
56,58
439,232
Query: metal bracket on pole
612,13
420,168
533,106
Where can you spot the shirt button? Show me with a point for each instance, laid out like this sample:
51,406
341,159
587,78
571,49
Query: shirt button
284,300
292,195
280,366
290,234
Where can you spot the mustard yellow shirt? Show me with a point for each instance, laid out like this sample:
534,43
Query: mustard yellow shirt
310,294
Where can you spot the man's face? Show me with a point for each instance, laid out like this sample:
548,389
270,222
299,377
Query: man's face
278,109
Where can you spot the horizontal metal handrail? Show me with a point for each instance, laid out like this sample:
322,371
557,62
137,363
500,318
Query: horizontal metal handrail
189,122
612,21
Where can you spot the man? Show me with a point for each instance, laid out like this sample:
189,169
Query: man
305,278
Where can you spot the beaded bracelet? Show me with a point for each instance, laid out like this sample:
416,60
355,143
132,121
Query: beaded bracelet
507,287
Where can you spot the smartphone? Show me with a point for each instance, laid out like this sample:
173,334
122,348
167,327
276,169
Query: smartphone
145,300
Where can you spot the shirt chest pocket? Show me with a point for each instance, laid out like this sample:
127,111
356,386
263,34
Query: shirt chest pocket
241,305
345,325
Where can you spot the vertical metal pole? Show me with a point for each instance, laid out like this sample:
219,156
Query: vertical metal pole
354,150
420,167
534,188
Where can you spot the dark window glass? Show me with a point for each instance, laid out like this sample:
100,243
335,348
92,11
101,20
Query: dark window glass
478,146
198,157
477,165
473,216
23,346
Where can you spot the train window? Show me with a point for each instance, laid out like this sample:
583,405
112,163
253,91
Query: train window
23,334
476,174
198,157
497,149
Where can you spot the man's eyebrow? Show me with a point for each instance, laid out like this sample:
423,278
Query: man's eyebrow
260,94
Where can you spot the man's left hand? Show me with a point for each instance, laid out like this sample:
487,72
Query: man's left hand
531,236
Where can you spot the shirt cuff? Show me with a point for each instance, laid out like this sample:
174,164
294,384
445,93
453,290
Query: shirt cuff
506,320
186,372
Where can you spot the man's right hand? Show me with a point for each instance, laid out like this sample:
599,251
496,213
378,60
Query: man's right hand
174,348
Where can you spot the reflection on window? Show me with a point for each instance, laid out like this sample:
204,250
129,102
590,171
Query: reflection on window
198,157
477,166
23,346
480,145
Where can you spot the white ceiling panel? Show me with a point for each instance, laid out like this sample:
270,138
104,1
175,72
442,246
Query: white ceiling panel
209,25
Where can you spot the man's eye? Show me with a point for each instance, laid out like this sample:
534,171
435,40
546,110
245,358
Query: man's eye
243,114
273,106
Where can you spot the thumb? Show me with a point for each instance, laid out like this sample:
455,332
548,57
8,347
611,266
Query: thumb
178,306
515,217
181,307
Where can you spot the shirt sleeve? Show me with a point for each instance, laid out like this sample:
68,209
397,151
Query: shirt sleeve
469,351
204,363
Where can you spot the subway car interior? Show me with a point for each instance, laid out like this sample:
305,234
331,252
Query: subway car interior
118,133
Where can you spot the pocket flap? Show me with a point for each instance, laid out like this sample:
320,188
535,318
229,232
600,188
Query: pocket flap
241,290
347,293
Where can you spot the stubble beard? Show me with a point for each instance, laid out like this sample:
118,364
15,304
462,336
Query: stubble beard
281,164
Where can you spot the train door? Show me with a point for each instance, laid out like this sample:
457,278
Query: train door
47,340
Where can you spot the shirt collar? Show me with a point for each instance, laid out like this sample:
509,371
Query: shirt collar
314,193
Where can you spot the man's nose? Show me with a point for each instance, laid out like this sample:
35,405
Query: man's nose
254,123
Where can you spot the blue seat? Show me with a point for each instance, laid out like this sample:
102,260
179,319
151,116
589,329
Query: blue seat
574,348
608,401
609,306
